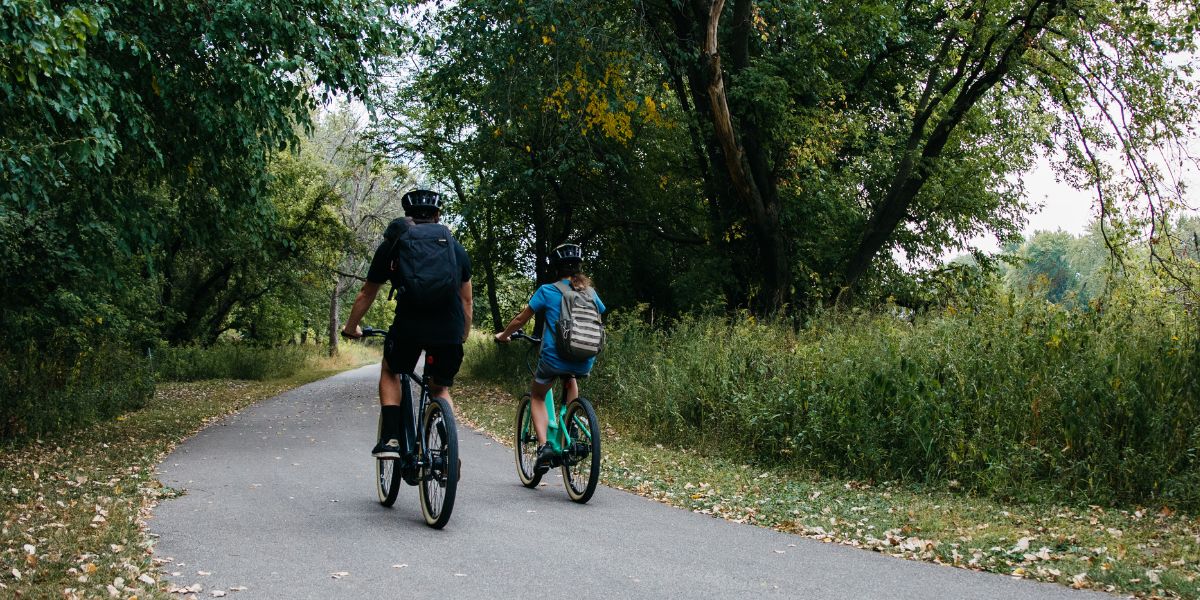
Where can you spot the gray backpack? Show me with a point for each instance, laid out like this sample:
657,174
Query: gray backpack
579,333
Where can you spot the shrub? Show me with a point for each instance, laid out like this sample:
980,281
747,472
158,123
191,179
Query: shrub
48,388
1009,398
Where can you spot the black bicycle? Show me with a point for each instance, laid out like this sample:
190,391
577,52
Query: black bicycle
572,431
430,454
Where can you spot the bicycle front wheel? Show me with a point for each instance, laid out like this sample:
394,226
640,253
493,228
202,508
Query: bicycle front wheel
387,476
581,466
525,448
439,477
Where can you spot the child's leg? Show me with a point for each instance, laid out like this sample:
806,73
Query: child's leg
570,389
538,408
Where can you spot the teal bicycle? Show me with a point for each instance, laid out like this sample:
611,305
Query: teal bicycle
573,432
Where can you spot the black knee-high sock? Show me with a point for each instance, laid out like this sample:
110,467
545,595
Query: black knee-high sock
391,423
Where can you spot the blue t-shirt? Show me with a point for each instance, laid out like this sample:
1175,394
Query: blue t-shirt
548,301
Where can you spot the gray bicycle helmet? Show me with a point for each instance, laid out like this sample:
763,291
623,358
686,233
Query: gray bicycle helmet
421,201
566,254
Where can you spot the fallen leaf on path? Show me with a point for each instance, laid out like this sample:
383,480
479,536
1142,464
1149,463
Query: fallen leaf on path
1079,581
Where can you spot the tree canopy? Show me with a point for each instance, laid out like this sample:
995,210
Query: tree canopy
780,155
135,193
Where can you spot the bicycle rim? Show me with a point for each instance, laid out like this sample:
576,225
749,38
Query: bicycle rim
387,477
525,448
439,478
581,472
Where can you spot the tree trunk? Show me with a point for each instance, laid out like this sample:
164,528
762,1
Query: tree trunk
334,317
489,269
749,174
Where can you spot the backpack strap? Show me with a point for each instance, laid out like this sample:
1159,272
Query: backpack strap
564,288
395,230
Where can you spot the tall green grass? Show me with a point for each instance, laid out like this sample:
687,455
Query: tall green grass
230,361
1012,398
48,387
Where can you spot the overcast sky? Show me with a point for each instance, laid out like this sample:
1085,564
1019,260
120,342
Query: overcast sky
1066,208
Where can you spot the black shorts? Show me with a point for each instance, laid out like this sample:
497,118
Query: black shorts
441,360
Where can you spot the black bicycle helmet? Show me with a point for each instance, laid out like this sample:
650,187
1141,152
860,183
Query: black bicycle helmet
566,253
421,201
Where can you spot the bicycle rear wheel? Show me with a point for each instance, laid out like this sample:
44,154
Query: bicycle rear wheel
387,476
439,478
581,468
525,448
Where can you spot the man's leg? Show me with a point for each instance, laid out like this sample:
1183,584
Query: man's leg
441,365
391,405
389,386
441,391
570,389
391,438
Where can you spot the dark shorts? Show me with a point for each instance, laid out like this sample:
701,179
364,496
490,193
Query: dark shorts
442,361
546,374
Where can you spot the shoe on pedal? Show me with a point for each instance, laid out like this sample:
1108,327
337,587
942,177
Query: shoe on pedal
388,450
545,455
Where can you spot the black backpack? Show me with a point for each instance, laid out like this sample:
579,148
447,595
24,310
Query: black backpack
424,266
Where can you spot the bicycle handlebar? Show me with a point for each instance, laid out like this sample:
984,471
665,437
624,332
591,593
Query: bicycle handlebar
520,335
367,331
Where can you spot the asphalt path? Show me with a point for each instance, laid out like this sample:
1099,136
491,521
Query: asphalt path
280,500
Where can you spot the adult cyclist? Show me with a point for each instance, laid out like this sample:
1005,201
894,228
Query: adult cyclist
438,330
567,261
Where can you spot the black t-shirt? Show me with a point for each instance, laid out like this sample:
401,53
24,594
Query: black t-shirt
437,326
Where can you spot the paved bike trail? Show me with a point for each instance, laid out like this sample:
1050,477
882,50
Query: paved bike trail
280,501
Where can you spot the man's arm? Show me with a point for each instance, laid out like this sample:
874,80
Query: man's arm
362,302
468,302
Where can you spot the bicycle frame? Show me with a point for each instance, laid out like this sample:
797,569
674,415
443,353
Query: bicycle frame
412,422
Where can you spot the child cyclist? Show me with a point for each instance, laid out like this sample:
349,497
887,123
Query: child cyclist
567,261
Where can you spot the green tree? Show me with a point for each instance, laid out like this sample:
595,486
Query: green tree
135,131
546,124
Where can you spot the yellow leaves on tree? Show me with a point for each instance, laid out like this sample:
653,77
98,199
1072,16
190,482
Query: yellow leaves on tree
604,103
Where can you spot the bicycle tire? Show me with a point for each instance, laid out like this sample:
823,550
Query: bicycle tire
525,448
585,451
439,478
387,476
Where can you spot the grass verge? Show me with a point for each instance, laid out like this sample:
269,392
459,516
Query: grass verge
1146,552
73,506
